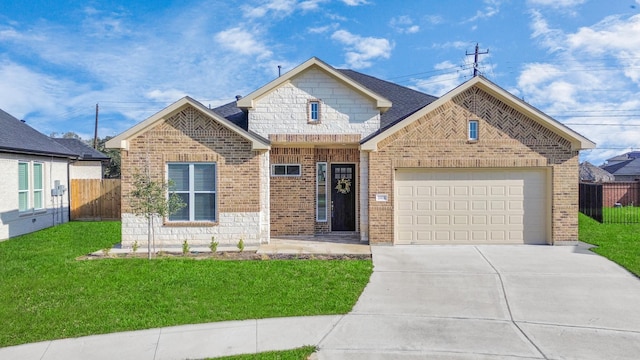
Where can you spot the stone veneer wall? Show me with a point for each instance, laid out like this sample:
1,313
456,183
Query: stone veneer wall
293,198
507,138
190,136
342,109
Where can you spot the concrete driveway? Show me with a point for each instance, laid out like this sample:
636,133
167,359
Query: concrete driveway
477,302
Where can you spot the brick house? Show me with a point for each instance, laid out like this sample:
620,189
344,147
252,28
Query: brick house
321,150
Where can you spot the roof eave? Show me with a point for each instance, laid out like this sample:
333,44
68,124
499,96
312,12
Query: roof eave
578,142
121,141
248,101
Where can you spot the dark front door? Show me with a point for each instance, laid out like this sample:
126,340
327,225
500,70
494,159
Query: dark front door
343,197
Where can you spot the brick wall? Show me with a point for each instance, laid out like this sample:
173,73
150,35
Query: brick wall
507,138
293,198
624,193
190,136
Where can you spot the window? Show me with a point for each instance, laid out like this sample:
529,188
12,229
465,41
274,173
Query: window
314,111
321,192
23,186
473,130
195,184
286,170
38,191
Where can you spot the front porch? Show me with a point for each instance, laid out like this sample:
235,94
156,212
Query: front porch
334,243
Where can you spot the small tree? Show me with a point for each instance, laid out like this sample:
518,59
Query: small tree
149,199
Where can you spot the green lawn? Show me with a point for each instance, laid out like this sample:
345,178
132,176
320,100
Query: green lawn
295,354
621,215
46,294
617,242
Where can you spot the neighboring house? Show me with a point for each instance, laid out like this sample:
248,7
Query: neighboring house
321,150
89,163
34,192
593,174
625,167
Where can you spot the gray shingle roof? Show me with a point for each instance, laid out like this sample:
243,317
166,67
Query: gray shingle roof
592,173
18,137
82,150
630,168
405,101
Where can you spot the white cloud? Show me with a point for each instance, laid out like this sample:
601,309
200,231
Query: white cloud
451,75
557,3
404,24
355,2
242,41
323,29
361,51
593,78
490,9
459,45
278,8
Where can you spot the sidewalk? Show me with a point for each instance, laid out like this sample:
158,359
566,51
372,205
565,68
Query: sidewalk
184,342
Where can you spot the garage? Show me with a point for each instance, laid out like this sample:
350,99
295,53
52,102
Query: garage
471,206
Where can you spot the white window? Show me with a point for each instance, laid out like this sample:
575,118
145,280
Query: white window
23,186
314,111
195,183
321,192
30,188
286,170
38,187
473,130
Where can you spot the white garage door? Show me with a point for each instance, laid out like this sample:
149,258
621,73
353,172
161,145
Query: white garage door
469,206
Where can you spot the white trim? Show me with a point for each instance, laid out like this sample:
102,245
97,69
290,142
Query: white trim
248,102
476,130
192,191
121,141
326,192
578,142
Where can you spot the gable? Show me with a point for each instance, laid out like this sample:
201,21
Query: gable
248,101
342,110
502,117
207,120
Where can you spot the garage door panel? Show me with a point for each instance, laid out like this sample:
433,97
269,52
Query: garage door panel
471,206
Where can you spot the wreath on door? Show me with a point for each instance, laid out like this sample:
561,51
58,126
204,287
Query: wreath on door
343,186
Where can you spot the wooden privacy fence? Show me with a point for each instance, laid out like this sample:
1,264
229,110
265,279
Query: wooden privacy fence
95,199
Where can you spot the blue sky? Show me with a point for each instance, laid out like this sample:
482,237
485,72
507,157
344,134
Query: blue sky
576,60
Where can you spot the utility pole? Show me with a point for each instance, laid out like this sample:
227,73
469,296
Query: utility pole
475,59
95,133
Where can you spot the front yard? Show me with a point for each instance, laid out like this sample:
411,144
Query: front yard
47,294
617,242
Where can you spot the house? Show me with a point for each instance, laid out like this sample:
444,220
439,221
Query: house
34,193
88,164
625,167
593,174
321,150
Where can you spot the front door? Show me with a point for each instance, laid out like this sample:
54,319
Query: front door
343,197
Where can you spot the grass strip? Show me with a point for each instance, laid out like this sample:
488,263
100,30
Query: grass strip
619,243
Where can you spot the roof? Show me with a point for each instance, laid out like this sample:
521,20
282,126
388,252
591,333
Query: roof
578,141
592,173
381,102
629,167
625,156
121,141
82,150
18,137
405,101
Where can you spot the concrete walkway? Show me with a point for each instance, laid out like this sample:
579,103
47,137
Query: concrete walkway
443,302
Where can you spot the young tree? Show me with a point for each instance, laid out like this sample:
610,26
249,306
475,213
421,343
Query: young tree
149,199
